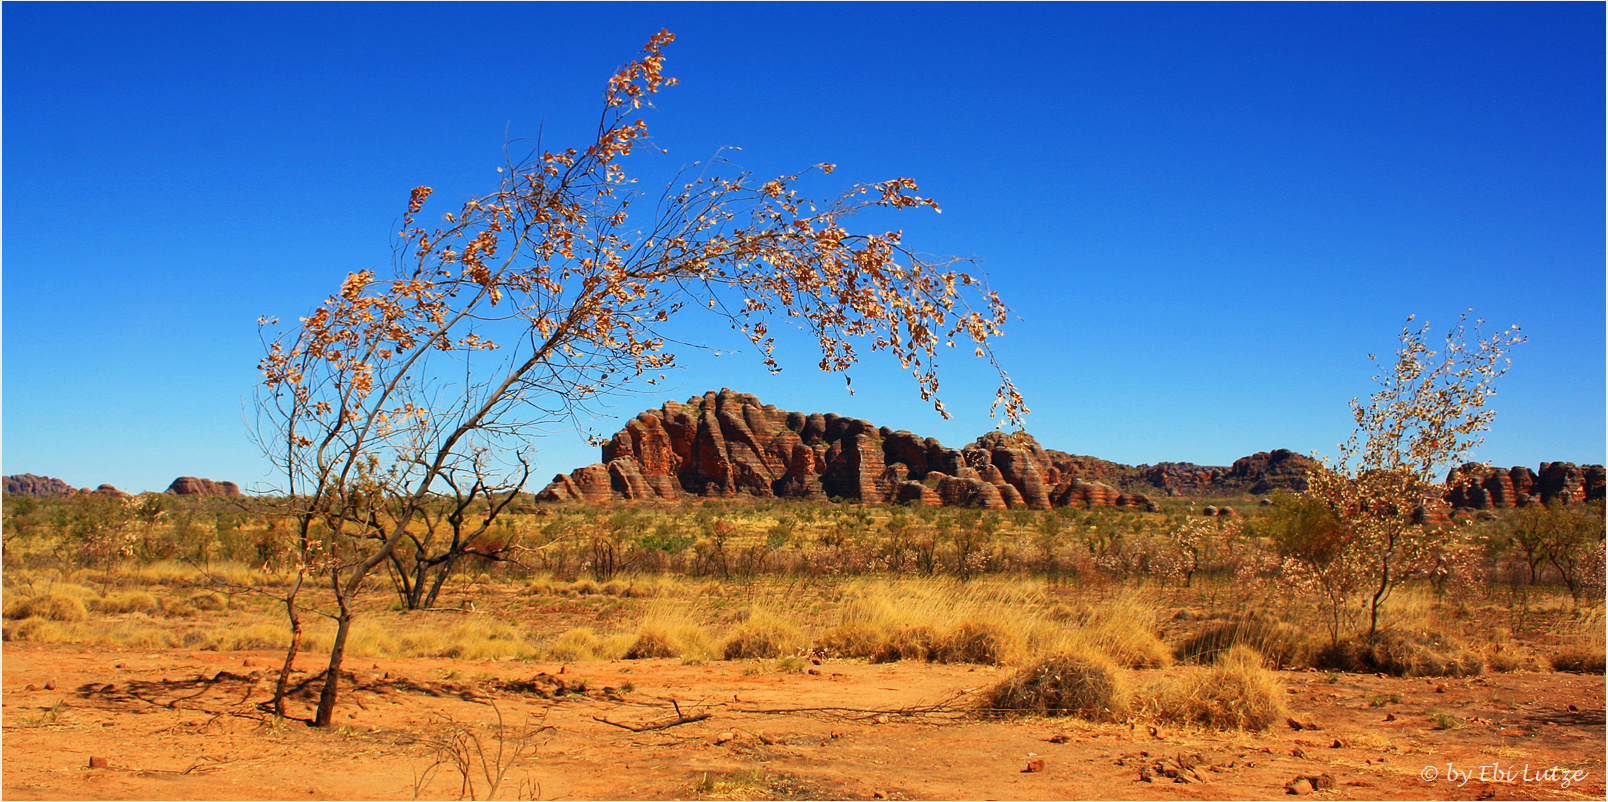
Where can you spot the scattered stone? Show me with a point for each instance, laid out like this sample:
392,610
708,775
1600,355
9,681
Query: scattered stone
1298,725
1440,688
1059,739
1338,744
1033,766
1307,783
815,672
725,737
31,687
1390,716
98,763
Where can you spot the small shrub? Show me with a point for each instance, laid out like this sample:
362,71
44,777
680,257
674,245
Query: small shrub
615,587
1087,686
1444,721
178,608
585,587
51,607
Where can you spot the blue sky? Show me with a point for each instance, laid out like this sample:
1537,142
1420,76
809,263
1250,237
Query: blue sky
1204,216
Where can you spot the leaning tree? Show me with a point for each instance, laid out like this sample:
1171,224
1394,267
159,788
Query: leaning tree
526,304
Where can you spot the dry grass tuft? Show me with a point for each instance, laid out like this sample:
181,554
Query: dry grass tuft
581,643
852,639
980,641
908,643
137,601
653,642
1122,626
1281,644
35,630
1088,686
210,601
1402,654
49,606
1239,692
762,635
1580,659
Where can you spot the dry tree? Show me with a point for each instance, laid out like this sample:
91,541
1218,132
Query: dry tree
526,305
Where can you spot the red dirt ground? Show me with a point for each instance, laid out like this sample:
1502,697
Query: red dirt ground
190,725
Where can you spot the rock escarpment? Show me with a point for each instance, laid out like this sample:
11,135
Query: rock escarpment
727,444
26,484
193,486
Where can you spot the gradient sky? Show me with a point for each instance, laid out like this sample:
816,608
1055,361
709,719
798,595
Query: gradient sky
1204,216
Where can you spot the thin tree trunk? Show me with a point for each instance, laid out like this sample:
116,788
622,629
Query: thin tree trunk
332,678
295,647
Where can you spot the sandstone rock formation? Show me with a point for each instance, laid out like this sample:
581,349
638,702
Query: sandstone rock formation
726,444
104,491
193,486
26,484
1473,486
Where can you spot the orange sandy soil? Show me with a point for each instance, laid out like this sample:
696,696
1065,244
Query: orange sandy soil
191,725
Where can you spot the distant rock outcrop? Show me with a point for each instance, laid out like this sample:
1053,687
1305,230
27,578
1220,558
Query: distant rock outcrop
1473,486
26,484
104,491
727,444
193,486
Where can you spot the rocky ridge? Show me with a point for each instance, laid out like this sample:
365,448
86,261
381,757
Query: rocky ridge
727,444
26,484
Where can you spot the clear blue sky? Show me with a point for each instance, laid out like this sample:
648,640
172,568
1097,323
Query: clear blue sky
1204,216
